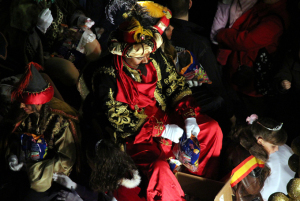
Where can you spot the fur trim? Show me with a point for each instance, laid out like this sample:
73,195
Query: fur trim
132,183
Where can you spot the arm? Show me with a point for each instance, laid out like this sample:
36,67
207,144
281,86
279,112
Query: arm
40,173
264,34
220,20
284,75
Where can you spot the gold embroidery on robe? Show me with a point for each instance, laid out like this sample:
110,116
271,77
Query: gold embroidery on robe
119,115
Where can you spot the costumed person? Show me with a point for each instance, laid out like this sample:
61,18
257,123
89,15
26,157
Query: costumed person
45,138
138,95
245,156
56,34
114,176
248,48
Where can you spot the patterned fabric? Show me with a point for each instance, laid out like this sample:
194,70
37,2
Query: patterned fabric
170,89
62,136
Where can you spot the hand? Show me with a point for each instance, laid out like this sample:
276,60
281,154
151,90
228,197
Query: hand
64,180
44,20
286,84
68,196
99,32
13,163
191,127
193,83
85,22
87,37
172,132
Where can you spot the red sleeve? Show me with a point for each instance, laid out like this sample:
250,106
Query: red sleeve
187,107
264,34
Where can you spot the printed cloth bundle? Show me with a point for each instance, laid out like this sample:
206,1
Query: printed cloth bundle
33,148
187,65
69,46
187,152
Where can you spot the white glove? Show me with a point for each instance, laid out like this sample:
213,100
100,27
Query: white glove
14,165
68,196
64,180
172,132
44,20
191,127
87,37
85,22
193,83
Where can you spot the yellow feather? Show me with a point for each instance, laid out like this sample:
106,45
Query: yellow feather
135,26
154,9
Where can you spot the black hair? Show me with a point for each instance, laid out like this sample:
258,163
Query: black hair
109,166
179,8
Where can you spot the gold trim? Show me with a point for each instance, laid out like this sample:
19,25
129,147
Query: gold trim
181,95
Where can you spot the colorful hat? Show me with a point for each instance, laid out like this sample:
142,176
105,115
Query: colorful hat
33,88
141,33
3,46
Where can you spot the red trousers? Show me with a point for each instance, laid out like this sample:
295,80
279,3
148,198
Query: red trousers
151,161
150,158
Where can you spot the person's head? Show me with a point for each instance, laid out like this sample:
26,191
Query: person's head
261,137
179,8
268,133
134,62
32,91
140,33
110,166
29,109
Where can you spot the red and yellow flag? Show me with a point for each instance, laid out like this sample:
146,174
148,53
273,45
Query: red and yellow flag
244,168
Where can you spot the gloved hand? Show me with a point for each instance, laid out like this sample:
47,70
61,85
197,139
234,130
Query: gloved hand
87,37
172,132
68,196
64,180
44,20
13,163
191,127
193,83
85,22
99,31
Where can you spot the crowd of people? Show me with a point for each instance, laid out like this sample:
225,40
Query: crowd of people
96,95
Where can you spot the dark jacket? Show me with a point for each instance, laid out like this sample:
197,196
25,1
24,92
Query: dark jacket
290,71
188,36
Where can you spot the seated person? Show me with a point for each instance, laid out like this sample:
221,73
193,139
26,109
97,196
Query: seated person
246,155
138,95
56,35
43,140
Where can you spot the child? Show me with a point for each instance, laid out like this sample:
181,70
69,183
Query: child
247,153
113,172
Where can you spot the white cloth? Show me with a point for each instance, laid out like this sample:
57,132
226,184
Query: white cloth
281,173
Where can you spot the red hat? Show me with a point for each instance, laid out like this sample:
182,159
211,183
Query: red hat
33,88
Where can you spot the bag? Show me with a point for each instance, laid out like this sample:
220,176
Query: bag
34,148
260,75
188,152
